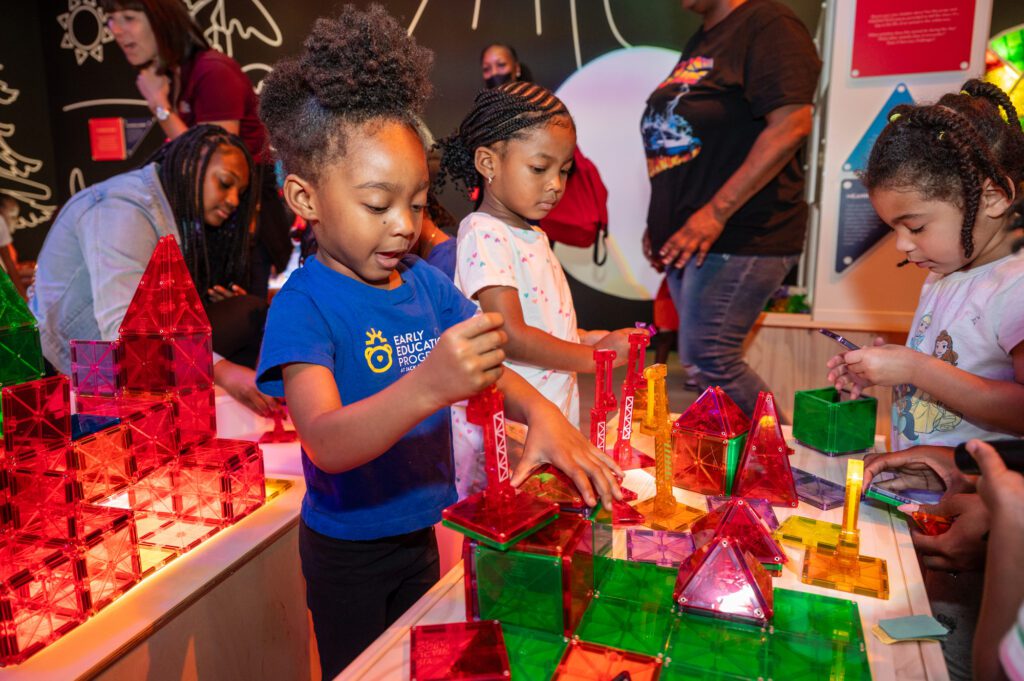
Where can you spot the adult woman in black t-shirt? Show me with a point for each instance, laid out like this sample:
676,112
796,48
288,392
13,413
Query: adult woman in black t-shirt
727,217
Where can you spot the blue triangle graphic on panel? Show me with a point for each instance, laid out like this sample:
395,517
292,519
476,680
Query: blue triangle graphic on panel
858,159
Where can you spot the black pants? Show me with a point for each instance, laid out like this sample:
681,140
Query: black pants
355,590
238,328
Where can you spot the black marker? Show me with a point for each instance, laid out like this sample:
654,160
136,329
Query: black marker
839,339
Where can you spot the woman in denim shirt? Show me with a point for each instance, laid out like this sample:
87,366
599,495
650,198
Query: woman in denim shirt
197,189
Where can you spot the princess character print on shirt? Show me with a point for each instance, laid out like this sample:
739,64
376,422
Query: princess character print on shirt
916,413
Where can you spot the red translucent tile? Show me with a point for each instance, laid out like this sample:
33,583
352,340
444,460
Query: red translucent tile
592,662
37,416
461,650
147,362
153,437
722,580
221,480
178,535
931,525
714,413
279,433
166,300
738,520
550,484
764,470
156,494
96,367
195,414
41,597
104,462
191,360
622,514
469,579
763,509
661,547
108,554
45,505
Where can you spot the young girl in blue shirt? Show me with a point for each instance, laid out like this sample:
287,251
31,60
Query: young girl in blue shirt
371,346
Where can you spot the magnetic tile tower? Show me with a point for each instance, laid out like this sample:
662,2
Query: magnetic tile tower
707,441
93,501
634,399
764,471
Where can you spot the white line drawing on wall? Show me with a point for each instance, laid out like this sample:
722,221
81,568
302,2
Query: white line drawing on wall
221,28
86,103
16,172
76,181
85,30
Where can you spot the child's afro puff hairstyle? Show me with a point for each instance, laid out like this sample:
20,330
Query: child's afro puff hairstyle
355,67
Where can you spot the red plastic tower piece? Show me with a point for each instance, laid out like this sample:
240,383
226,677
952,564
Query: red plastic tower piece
96,367
704,439
604,397
166,300
722,580
37,417
41,597
764,470
108,554
221,481
463,650
737,519
498,515
592,662
44,505
279,433
633,385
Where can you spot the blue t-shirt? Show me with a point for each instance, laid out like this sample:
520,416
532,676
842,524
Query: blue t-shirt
368,337
442,256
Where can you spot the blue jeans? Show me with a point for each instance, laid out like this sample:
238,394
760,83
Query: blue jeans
718,304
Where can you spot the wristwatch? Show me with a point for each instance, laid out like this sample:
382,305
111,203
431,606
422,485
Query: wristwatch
161,113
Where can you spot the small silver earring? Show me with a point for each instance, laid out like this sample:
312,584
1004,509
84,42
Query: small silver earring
490,179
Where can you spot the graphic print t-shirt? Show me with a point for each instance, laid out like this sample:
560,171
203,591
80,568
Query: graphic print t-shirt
368,338
973,320
702,121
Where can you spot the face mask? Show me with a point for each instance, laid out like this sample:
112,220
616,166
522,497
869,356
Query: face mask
497,79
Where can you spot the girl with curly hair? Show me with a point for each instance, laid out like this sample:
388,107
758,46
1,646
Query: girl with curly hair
945,177
371,346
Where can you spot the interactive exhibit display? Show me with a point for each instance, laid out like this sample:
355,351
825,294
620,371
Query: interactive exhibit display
694,599
93,501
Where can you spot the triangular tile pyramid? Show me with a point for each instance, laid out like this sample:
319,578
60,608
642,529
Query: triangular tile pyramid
714,413
764,470
166,301
14,312
738,520
722,580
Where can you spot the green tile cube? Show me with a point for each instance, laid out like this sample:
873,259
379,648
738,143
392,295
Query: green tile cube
821,421
532,654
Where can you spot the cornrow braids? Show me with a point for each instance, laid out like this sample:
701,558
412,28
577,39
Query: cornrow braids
213,255
500,114
947,150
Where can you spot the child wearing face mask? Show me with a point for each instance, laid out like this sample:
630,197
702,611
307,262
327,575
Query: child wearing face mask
944,177
515,148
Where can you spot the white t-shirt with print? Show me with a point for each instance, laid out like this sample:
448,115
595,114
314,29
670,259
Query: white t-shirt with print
492,253
972,319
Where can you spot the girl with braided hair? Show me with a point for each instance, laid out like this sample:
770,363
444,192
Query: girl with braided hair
944,177
515,148
370,345
196,188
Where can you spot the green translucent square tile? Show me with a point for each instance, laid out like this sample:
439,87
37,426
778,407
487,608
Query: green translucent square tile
21,357
14,312
822,421
637,627
716,647
638,582
732,460
532,654
816,616
796,658
523,589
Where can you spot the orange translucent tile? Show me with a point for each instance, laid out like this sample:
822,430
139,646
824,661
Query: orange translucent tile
592,662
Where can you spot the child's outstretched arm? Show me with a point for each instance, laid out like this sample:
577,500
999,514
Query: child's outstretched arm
996,404
531,345
552,439
338,438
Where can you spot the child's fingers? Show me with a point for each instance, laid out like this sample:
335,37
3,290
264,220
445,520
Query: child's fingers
989,461
492,359
476,325
582,482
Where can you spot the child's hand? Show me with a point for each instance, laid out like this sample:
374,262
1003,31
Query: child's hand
592,337
466,359
618,341
883,364
240,383
840,376
963,547
921,467
552,439
1001,489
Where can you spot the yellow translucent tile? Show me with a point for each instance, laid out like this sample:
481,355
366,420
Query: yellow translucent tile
800,531
863,575
676,520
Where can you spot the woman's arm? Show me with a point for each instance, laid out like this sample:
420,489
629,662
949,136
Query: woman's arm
338,437
787,128
530,345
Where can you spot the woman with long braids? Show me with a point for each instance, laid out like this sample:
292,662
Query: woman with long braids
186,82
196,188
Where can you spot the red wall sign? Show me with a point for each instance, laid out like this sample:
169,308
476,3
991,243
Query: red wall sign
911,36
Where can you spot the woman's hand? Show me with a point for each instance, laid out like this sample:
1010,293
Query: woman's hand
962,548
154,88
649,253
697,236
921,467
552,439
240,383
219,293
